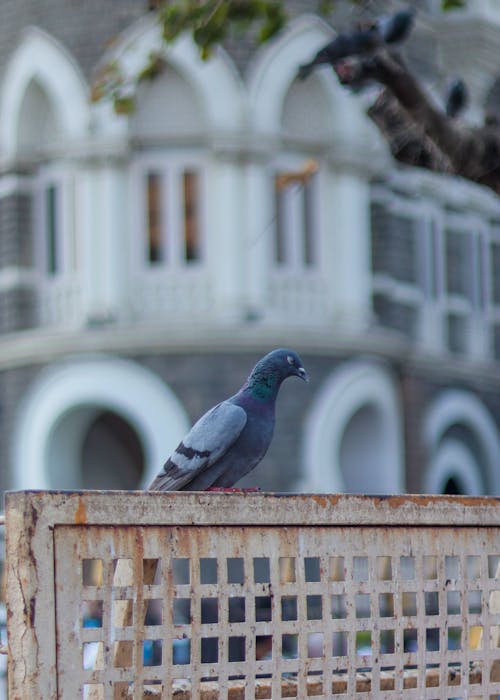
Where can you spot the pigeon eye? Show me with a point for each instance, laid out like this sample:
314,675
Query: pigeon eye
290,360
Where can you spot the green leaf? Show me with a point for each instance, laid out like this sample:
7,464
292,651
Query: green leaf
325,7
153,67
124,104
108,80
269,29
275,21
452,4
243,11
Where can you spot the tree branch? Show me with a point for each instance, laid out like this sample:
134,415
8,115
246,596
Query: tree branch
418,132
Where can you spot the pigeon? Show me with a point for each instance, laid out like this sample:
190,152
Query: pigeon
388,29
346,44
232,437
457,98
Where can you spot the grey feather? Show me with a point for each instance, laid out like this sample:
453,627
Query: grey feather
209,438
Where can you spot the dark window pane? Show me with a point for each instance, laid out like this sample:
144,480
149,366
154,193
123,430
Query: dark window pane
52,229
458,267
495,272
192,243
394,244
155,243
309,223
280,221
457,333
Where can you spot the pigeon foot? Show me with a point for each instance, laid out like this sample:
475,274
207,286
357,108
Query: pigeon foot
221,489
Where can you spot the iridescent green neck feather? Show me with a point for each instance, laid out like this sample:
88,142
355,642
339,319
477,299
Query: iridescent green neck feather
263,385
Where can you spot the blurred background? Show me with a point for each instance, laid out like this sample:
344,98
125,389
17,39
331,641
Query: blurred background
149,256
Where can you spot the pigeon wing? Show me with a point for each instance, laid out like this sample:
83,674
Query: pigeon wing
207,441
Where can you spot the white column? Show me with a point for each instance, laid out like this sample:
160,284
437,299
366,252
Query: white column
114,240
432,319
258,231
102,232
347,242
225,240
88,240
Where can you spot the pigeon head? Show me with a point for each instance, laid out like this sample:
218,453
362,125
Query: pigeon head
272,369
396,27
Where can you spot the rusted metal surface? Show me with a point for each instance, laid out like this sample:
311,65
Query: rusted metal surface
115,595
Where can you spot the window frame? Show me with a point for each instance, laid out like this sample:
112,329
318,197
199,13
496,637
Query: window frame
295,246
171,170
437,307
65,248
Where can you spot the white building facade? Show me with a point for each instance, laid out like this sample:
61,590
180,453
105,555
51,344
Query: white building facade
148,260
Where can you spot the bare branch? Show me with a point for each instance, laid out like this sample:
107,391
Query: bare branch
419,132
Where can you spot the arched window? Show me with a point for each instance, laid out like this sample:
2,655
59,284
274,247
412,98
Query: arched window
39,125
44,114
353,438
181,120
314,219
168,175
168,107
41,75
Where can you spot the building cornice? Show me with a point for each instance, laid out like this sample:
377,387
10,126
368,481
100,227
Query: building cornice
39,347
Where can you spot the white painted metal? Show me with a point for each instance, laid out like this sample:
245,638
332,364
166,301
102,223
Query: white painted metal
182,595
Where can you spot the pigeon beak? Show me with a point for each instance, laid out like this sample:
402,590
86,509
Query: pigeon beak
302,374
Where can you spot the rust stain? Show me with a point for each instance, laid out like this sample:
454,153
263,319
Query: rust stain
435,499
321,501
325,501
81,512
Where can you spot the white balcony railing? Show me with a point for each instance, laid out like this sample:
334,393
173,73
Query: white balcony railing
61,303
171,294
297,296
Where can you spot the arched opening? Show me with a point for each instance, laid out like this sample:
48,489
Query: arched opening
92,447
38,123
112,455
455,468
167,106
463,445
353,438
44,114
362,451
453,486
298,120
97,423
168,194
44,96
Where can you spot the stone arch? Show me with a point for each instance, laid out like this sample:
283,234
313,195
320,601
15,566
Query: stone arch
461,418
65,400
42,63
216,82
453,461
357,404
273,73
